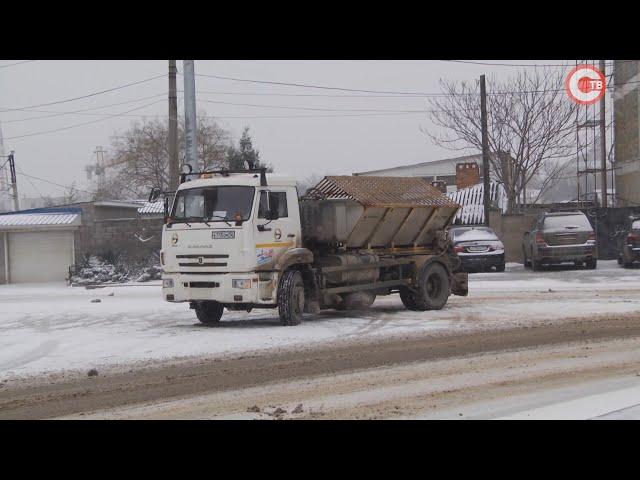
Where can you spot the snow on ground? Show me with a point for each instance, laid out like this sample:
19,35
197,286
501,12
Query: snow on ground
53,327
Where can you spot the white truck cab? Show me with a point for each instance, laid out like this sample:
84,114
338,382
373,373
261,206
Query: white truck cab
223,236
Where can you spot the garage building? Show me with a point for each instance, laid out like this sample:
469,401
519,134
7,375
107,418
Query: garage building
38,247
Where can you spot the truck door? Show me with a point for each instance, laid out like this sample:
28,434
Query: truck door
277,226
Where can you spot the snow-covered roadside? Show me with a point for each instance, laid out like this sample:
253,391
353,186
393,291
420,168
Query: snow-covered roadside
50,328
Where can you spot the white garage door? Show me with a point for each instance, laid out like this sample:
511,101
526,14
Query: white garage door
40,256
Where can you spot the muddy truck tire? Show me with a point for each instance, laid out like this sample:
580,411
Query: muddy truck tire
209,313
291,298
432,292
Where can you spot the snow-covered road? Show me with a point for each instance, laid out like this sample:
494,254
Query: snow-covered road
53,327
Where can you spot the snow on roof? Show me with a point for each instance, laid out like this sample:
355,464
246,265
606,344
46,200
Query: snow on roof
431,163
39,219
153,207
119,203
472,201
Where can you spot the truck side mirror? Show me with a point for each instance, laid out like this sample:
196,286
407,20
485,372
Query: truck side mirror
154,194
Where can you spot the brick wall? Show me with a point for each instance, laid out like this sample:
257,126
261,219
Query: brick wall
467,175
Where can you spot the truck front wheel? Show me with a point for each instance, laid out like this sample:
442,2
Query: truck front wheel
432,290
209,313
291,298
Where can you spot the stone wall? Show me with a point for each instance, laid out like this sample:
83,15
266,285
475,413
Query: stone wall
608,224
135,238
510,229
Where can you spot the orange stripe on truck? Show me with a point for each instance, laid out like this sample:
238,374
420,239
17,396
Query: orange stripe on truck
271,245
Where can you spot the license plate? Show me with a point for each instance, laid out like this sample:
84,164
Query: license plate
223,234
477,249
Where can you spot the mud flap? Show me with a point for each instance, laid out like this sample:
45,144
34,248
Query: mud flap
460,284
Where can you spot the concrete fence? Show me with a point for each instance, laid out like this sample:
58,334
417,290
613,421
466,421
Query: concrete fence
607,223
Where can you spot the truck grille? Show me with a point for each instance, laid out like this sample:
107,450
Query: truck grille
200,260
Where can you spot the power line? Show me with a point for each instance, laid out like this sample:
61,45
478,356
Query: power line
66,187
77,112
321,87
288,107
17,63
84,96
81,124
318,95
491,64
410,94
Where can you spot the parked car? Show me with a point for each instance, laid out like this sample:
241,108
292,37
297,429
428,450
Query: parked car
560,237
478,248
629,243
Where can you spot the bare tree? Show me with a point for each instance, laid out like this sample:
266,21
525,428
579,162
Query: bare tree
140,156
310,181
531,126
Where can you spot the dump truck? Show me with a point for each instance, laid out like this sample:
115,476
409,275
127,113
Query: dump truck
244,239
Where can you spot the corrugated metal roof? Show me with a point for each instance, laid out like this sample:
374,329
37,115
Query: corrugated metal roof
472,201
154,207
39,219
380,191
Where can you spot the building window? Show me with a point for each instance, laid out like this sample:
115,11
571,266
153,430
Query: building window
449,179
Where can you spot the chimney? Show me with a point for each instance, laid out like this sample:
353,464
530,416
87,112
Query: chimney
440,185
467,175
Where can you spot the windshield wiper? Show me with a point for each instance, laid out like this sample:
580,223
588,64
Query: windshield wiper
224,219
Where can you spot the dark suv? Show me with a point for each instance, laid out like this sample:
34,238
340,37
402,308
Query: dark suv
558,237
629,243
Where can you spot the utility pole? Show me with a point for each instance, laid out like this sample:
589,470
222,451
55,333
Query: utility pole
191,145
4,179
14,182
603,142
100,167
485,149
173,127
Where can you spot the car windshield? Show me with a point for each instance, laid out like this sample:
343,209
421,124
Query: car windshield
471,234
569,222
213,204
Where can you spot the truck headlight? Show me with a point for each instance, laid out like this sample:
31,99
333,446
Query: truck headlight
167,283
241,283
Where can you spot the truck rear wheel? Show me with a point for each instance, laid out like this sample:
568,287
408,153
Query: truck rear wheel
209,313
432,292
291,298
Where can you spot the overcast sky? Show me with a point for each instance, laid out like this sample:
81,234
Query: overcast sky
307,142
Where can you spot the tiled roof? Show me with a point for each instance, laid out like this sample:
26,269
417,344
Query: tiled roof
381,191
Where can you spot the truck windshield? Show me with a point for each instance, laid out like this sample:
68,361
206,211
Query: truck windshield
213,204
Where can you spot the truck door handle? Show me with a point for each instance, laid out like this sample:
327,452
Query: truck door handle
291,235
